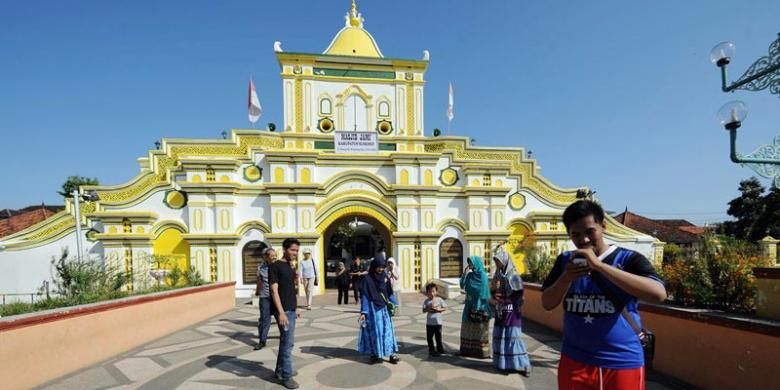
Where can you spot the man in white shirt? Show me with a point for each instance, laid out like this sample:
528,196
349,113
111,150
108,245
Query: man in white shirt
308,275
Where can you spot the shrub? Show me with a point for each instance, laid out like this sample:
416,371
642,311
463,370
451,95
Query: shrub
731,264
539,264
192,277
174,276
719,275
687,281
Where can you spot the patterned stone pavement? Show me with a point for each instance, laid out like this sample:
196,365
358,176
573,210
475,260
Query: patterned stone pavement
218,354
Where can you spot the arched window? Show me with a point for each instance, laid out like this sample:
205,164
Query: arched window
383,110
450,258
305,176
251,256
326,107
404,177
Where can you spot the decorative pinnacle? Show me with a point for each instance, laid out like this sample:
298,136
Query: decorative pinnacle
354,18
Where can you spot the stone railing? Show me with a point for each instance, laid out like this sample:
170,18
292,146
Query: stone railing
38,347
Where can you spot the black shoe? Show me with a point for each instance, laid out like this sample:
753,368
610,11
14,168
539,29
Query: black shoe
375,360
259,346
394,359
290,384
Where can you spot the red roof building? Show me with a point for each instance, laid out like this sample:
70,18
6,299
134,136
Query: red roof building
670,231
12,221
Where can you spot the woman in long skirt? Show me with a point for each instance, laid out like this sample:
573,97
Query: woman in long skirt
377,334
509,352
475,324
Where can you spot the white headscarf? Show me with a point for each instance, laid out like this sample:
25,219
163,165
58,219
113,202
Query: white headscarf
507,271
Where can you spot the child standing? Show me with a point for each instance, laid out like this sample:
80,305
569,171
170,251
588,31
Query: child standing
342,283
434,306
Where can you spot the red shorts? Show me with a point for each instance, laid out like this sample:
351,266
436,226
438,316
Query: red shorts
573,375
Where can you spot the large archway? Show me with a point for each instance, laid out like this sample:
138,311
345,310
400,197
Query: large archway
350,236
368,212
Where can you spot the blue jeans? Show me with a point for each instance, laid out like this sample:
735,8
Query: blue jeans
284,368
264,322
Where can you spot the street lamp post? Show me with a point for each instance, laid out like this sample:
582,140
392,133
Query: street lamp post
89,196
79,250
762,74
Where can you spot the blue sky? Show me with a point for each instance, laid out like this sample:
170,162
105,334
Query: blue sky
619,96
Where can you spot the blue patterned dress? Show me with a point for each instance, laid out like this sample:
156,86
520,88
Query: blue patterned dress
509,352
377,337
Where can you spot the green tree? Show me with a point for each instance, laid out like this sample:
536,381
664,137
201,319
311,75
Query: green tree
757,214
344,237
73,183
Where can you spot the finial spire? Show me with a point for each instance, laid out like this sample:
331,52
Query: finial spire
354,18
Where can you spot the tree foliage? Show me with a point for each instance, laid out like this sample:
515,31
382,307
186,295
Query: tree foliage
344,237
73,183
757,213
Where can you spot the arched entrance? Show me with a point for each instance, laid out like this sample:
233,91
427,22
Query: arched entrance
520,241
351,236
172,249
450,258
251,256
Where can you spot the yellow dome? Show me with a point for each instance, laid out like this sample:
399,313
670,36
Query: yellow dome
353,40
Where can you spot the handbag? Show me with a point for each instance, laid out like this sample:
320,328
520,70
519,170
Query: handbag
391,307
479,316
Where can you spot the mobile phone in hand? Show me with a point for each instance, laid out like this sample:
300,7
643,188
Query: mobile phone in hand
580,261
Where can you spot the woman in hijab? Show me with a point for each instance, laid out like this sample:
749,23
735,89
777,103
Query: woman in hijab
509,352
377,334
395,279
474,336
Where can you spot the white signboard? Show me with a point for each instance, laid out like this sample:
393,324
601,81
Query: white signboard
356,142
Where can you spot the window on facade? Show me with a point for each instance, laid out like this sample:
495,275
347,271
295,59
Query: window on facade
384,109
210,176
325,106
127,227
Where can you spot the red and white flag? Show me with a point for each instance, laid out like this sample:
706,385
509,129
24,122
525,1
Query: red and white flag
255,110
451,105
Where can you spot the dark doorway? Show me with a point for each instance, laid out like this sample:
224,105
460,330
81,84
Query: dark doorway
450,258
353,236
251,256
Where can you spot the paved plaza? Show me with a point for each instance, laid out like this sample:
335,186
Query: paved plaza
218,354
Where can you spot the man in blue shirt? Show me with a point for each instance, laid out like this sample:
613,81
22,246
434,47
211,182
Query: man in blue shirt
596,283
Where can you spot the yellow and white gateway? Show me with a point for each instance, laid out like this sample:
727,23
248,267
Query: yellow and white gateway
213,204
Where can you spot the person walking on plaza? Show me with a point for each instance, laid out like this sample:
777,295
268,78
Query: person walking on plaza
357,271
475,324
308,275
434,306
263,291
377,333
509,352
395,279
342,283
599,286
281,275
